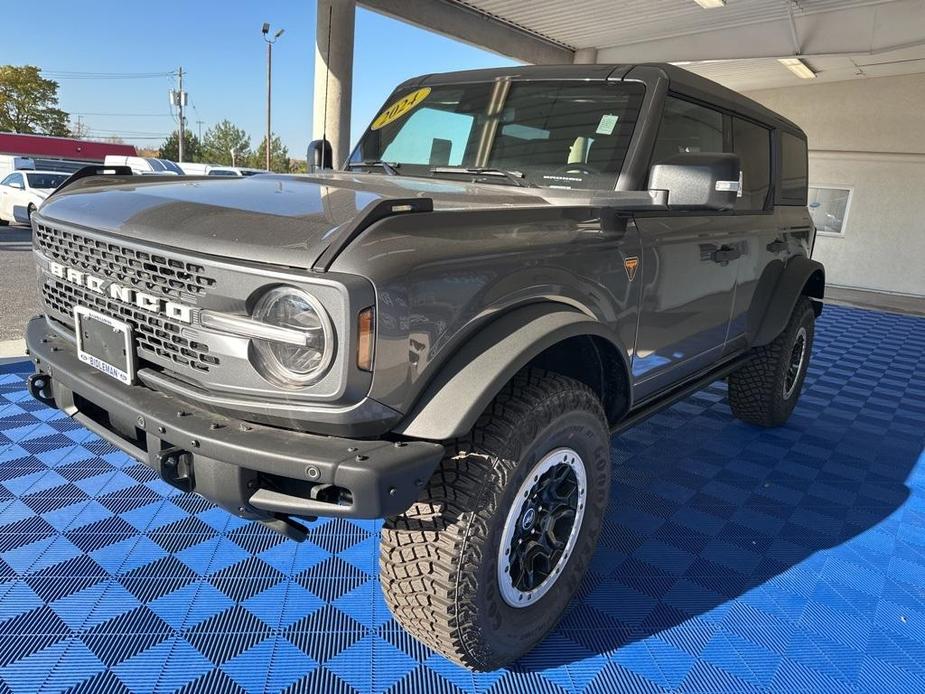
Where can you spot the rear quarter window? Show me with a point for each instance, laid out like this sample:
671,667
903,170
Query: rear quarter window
794,177
752,143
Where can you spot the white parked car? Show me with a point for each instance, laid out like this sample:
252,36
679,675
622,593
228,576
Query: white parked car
21,192
233,171
145,166
199,169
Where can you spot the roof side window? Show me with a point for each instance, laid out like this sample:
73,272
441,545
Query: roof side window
687,127
752,143
794,177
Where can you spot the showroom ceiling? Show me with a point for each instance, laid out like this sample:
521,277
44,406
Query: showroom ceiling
737,44
602,23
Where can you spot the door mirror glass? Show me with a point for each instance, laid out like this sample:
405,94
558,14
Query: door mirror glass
698,181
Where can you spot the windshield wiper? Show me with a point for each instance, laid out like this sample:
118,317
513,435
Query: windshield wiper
515,177
390,169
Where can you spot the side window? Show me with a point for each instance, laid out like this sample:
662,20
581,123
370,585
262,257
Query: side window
687,127
753,145
793,168
431,136
15,180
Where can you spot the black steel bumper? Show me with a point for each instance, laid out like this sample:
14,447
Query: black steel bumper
254,471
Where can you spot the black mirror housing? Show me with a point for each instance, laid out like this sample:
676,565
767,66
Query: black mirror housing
698,180
320,155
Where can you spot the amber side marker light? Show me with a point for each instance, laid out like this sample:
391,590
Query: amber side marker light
366,333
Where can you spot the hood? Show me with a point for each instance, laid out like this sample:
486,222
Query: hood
283,220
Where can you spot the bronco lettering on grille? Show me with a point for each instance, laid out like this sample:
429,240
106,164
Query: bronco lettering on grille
148,302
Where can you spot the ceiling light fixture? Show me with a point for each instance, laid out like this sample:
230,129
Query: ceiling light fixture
710,4
798,68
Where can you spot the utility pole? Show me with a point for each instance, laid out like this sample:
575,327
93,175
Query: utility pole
266,37
181,95
199,123
178,98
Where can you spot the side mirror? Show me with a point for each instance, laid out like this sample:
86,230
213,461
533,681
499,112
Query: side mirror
320,156
698,181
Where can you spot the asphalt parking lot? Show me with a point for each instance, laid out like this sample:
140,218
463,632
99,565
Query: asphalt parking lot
17,282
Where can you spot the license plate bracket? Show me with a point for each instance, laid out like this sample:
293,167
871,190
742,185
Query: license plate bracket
105,344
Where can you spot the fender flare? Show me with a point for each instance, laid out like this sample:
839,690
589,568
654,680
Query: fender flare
476,373
777,293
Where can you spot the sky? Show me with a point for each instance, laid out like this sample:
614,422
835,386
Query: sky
219,45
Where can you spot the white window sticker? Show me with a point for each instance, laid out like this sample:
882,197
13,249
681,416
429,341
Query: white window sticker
607,124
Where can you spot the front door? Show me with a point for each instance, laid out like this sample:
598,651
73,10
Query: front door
10,189
689,269
689,265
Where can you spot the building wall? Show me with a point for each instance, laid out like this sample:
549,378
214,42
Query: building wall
868,135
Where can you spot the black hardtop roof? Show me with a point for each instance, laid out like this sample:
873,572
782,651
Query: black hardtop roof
679,80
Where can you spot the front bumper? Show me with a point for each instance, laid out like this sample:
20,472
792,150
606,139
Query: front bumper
253,471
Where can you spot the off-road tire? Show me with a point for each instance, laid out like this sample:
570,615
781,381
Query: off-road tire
757,388
439,560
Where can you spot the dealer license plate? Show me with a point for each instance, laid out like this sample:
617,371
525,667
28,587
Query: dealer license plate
105,344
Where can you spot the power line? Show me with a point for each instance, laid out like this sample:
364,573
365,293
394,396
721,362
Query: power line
107,133
126,115
128,133
81,75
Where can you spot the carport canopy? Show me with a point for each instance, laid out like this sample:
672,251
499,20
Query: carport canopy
738,43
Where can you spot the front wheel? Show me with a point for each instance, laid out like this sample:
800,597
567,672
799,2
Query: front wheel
484,564
765,390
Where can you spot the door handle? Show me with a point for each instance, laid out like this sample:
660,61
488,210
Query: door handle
724,254
776,246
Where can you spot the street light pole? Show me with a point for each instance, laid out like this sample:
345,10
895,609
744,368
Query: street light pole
266,37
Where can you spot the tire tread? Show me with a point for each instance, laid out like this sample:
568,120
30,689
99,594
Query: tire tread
424,573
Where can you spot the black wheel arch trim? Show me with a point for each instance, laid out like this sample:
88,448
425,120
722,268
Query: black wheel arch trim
778,291
452,402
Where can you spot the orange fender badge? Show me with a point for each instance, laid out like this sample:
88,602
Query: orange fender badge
631,264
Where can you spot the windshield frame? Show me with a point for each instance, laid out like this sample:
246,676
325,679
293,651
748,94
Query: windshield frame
640,94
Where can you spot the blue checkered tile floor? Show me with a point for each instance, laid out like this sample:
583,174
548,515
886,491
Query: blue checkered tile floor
734,559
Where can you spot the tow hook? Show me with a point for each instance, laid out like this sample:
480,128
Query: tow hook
40,388
176,467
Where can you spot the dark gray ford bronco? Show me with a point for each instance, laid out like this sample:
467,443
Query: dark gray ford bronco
512,265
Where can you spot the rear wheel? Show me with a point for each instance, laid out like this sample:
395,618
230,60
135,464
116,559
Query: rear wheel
484,564
765,390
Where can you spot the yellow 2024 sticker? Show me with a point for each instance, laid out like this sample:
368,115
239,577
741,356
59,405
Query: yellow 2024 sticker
400,108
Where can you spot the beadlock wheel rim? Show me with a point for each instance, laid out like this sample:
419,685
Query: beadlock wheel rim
795,366
542,527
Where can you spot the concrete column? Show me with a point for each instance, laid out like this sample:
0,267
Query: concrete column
334,75
585,55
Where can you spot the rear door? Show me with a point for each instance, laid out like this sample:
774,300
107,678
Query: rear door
688,266
762,241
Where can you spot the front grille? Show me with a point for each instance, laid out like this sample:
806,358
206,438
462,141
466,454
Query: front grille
150,271
155,336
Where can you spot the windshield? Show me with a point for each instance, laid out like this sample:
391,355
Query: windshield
562,134
45,180
170,166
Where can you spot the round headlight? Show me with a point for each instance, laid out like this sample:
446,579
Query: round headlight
294,362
